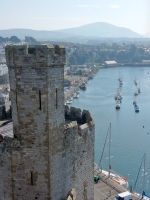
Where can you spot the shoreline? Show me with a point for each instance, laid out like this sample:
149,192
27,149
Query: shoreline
76,86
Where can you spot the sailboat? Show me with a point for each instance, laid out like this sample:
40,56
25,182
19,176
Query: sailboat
135,81
120,80
134,102
118,105
119,179
144,195
136,92
118,96
139,91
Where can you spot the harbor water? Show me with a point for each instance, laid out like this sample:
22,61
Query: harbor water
130,132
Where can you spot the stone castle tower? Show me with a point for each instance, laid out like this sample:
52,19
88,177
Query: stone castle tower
52,149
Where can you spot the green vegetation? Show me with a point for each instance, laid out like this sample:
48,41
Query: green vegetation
31,40
79,54
13,39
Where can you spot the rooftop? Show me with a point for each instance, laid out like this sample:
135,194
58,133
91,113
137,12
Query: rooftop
6,129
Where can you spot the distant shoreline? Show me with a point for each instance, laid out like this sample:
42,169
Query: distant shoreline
128,65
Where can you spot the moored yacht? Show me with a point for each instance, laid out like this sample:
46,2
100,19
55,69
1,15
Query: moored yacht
68,102
137,109
118,105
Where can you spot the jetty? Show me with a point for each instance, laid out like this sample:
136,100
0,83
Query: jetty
106,188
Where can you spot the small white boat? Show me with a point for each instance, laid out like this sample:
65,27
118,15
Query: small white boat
118,96
74,95
118,105
68,102
70,99
121,180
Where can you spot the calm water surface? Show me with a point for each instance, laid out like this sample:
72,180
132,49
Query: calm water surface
129,139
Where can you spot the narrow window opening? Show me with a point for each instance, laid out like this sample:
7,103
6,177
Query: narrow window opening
16,98
39,99
31,178
56,98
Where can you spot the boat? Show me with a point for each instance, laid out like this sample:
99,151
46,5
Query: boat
117,178
119,98
135,81
139,90
74,95
118,95
118,105
137,109
144,195
83,86
136,93
70,99
134,102
120,84
90,77
120,79
68,102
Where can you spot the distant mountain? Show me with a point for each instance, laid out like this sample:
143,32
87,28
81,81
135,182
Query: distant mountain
38,35
102,29
94,30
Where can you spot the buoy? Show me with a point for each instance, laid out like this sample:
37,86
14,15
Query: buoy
143,126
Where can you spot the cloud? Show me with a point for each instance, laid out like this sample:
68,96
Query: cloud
88,6
114,6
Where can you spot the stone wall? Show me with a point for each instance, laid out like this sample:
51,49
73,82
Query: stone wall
84,165
50,157
4,79
36,84
5,169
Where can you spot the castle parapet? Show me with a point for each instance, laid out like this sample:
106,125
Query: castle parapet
37,55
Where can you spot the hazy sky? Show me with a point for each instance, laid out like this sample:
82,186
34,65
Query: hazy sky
59,14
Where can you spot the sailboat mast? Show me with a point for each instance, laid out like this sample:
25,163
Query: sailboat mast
109,150
104,147
144,172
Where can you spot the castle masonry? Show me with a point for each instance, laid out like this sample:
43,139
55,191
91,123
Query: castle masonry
51,151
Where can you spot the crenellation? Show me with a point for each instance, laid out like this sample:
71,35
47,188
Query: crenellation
39,56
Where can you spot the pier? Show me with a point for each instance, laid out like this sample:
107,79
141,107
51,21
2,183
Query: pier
106,188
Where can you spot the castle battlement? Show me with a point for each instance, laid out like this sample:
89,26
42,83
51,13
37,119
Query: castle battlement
50,149
37,55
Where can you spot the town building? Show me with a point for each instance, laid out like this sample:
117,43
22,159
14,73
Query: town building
111,63
50,154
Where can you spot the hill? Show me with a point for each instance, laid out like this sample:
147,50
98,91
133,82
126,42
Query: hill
102,29
94,30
